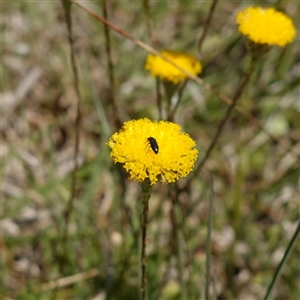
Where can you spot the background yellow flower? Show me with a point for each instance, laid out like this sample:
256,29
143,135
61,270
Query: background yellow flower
158,67
176,150
266,26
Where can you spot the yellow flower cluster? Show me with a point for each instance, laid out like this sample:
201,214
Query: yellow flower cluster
168,155
159,67
266,26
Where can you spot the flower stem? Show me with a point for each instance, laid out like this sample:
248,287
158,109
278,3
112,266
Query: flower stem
146,193
207,24
287,253
224,121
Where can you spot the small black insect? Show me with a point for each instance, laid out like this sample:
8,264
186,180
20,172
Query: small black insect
153,144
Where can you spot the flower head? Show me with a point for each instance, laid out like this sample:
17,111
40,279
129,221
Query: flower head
151,149
159,67
266,26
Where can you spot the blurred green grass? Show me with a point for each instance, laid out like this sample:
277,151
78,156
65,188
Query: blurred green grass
37,132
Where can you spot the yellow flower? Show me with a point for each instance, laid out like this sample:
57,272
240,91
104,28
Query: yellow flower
168,155
266,26
158,67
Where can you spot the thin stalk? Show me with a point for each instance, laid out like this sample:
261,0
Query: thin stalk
286,255
225,119
206,25
208,241
146,193
67,11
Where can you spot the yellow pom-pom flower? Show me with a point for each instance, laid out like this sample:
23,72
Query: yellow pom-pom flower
266,26
159,67
154,150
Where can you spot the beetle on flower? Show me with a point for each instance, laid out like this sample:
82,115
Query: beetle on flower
174,158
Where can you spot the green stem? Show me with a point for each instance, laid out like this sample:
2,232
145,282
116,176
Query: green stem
287,253
207,24
146,193
227,116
